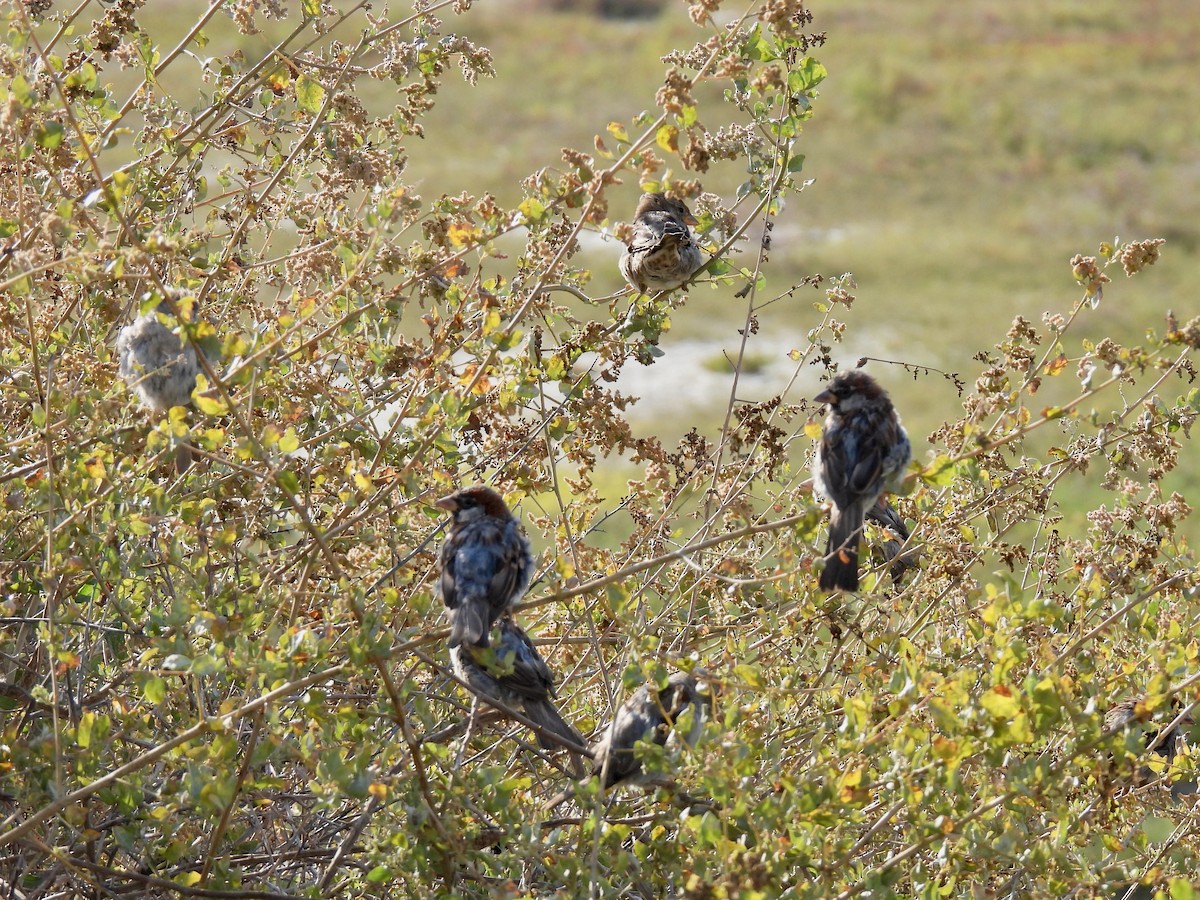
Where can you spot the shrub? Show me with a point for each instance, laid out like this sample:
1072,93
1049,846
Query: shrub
234,680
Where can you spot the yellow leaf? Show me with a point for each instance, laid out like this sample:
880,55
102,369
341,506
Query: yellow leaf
944,748
491,322
1057,365
210,405
290,442
460,234
617,130
668,138
309,94
1000,702
94,467
532,209
813,430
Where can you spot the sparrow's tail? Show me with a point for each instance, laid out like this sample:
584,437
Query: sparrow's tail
469,624
550,721
841,553
183,458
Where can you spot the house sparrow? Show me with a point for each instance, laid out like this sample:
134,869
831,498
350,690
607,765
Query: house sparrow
511,671
486,563
885,516
863,452
159,365
661,253
1166,745
648,715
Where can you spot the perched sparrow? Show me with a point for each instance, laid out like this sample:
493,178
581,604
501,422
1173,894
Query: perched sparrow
885,516
661,254
1166,742
512,672
1166,745
486,563
648,715
159,365
863,451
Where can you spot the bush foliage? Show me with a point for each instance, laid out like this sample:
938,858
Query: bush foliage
233,682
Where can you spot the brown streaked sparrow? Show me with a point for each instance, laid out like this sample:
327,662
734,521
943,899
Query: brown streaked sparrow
863,451
1166,744
661,253
1165,741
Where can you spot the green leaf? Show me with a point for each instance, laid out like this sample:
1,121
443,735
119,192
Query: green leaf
667,137
311,8
806,76
750,675
155,690
758,48
718,266
288,481
290,442
205,664
83,734
1000,702
309,94
209,405
50,135
533,210
941,471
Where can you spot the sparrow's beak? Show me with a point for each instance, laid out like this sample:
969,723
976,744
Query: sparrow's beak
824,397
449,504
689,219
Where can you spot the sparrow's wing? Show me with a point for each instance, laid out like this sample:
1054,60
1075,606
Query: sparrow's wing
657,230
530,677
487,561
885,516
857,457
